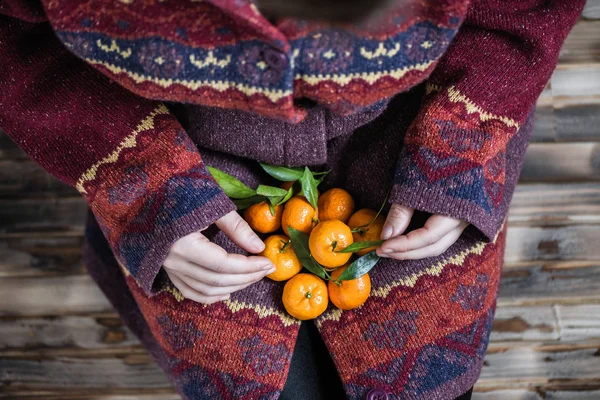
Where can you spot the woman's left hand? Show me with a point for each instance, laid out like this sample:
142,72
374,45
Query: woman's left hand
439,233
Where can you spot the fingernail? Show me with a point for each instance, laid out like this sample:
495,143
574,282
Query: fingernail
258,244
271,271
388,251
387,232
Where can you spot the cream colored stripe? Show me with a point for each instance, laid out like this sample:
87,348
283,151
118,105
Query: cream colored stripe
129,142
221,86
273,95
434,270
262,311
369,77
456,96
236,306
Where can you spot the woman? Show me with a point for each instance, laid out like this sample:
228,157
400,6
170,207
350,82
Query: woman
431,99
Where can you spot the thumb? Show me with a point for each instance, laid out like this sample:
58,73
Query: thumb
240,232
397,221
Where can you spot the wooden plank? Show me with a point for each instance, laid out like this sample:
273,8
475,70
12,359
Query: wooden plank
526,366
130,372
51,296
81,332
592,11
547,162
96,394
41,255
544,128
542,285
533,394
576,80
575,121
35,215
547,322
24,176
580,395
553,243
540,204
507,394
578,322
531,323
583,43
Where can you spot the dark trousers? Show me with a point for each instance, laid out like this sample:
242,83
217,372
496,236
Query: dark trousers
312,373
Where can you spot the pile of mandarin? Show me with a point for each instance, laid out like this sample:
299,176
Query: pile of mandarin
331,228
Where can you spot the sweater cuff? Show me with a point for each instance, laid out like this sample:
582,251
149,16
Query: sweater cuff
430,181
434,200
152,190
144,246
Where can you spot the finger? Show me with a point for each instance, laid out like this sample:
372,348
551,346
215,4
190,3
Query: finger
212,278
397,221
428,251
240,232
197,249
436,227
208,290
193,295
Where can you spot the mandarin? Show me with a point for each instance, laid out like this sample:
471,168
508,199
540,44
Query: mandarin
335,203
326,239
351,293
260,218
298,214
363,230
305,296
278,249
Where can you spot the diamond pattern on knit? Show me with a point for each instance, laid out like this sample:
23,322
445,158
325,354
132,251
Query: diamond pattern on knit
392,333
180,335
264,358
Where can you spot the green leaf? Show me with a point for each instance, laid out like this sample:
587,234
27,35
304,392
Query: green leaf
270,191
231,186
358,246
288,196
309,187
300,246
284,174
248,201
359,267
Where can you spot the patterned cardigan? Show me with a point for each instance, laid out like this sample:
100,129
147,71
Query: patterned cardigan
83,82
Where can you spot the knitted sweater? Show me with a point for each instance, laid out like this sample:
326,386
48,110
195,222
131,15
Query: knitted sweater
85,104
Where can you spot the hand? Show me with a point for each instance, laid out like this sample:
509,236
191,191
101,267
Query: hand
439,233
204,272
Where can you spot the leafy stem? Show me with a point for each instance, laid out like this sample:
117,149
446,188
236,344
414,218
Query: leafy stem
358,228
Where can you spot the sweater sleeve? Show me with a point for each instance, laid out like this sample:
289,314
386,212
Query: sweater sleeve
478,99
140,173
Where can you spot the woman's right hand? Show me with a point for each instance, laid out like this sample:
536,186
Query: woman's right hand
204,272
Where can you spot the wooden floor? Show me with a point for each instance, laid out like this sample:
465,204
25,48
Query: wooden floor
59,338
